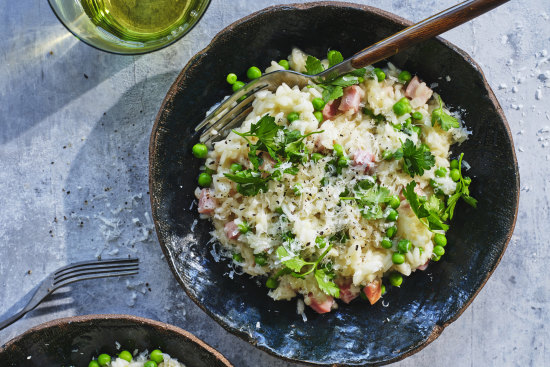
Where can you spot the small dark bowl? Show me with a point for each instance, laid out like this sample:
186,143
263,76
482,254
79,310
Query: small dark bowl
74,341
355,334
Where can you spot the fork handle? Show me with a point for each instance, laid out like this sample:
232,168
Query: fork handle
10,320
426,29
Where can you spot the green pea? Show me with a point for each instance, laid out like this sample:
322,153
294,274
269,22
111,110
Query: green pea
383,289
103,359
339,150
237,85
454,164
398,258
236,167
244,227
253,73
380,75
297,189
441,172
231,78
386,243
200,150
417,115
238,257
396,279
284,64
316,157
205,180
318,115
150,364
272,283
93,364
394,202
435,257
156,356
318,104
417,130
390,232
404,246
392,215
404,76
402,107
439,250
343,161
127,356
260,259
455,174
387,155
293,116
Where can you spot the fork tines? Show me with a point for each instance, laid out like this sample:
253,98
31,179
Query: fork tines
224,117
95,269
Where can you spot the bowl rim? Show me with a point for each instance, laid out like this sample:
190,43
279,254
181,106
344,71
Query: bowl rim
116,317
176,39
438,329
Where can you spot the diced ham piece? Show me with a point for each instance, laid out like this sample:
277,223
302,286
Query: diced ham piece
351,99
364,159
207,203
347,294
373,291
331,109
418,92
424,267
231,230
320,307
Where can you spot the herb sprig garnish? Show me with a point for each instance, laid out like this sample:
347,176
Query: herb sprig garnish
443,119
323,275
415,159
462,191
430,211
333,86
282,144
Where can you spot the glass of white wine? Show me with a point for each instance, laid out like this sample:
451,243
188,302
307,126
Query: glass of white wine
129,26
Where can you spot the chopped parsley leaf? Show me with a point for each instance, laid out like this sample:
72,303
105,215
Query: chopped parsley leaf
370,200
314,66
442,118
430,211
415,159
322,275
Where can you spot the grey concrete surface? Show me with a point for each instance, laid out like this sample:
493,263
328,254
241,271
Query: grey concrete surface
74,131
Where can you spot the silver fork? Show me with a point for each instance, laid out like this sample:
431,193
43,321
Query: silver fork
233,111
73,273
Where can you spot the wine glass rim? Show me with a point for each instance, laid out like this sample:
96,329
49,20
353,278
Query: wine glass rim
135,52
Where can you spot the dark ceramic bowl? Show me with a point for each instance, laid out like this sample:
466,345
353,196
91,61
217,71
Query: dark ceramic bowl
355,334
74,341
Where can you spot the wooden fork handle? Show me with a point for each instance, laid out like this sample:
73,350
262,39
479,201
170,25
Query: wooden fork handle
426,29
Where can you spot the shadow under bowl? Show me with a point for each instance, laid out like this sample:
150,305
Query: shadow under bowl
74,341
357,334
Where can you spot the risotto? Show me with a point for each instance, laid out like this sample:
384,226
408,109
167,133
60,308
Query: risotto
145,359
338,189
